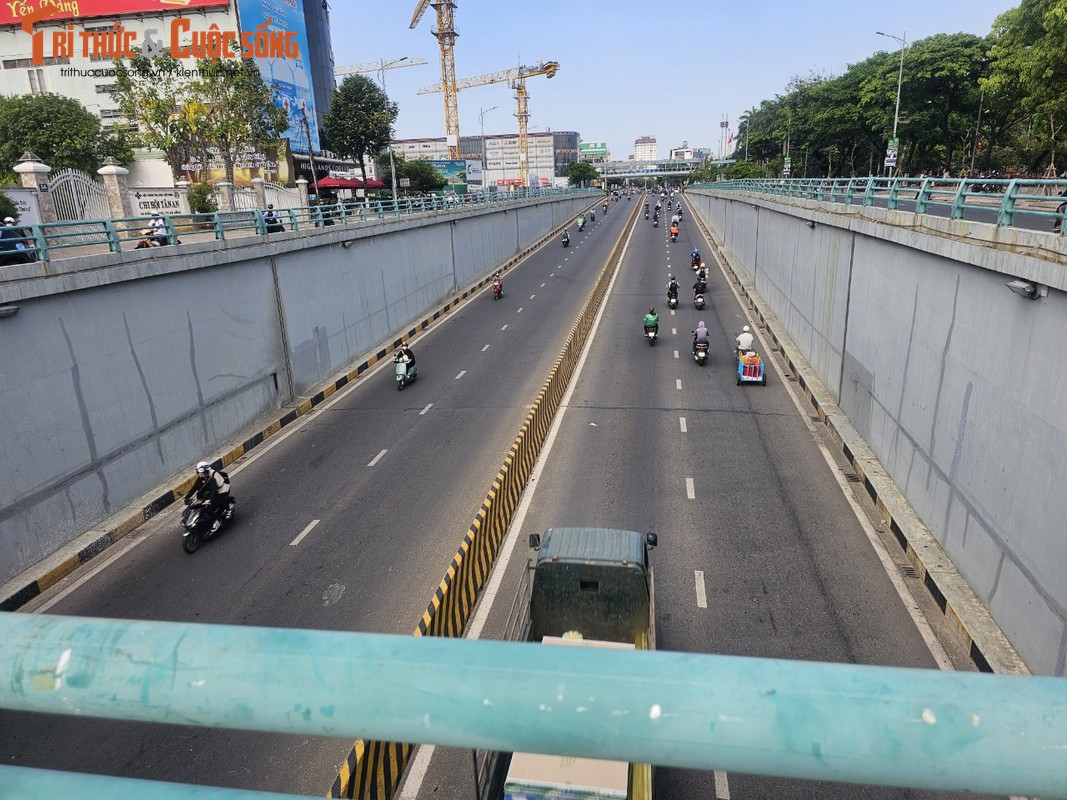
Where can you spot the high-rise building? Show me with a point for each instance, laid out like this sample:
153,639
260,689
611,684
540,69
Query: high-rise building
645,148
80,65
687,153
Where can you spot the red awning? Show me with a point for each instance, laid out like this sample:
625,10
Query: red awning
340,183
374,183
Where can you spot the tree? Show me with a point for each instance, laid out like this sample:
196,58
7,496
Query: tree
743,169
360,120
239,108
423,175
1029,57
8,207
581,172
60,131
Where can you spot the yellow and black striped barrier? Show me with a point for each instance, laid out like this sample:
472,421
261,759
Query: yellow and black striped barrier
372,770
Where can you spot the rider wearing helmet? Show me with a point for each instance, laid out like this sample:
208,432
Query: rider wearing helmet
745,339
672,287
652,320
212,487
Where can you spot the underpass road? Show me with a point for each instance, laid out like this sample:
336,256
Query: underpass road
760,552
386,525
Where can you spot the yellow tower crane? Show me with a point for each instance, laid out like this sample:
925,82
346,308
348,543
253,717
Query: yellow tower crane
516,79
446,37
377,66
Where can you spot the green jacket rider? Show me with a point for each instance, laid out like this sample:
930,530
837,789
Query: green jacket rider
652,320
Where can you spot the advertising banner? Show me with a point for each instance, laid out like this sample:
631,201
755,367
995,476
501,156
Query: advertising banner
453,171
291,76
146,202
474,170
11,13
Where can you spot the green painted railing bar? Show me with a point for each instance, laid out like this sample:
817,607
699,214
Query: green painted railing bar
43,783
876,725
1043,196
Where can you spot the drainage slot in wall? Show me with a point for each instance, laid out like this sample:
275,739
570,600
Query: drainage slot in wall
852,477
910,571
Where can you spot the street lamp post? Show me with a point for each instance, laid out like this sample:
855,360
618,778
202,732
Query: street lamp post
392,162
900,79
485,165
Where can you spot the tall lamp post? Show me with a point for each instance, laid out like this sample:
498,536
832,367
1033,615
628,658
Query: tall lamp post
392,162
900,79
485,165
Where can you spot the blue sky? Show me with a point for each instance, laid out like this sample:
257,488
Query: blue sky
633,68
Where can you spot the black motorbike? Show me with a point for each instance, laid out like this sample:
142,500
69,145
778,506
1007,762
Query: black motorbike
197,521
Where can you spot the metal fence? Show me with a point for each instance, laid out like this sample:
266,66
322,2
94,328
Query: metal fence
1008,199
51,241
927,729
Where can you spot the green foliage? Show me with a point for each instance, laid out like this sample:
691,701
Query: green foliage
8,207
202,199
360,120
581,172
743,169
60,131
229,107
423,175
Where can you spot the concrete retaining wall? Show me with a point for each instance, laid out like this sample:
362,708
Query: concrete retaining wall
119,374
956,383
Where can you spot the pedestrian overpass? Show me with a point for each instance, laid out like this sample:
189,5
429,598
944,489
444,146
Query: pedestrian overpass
636,170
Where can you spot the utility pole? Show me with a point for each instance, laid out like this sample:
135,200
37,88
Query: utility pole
311,155
392,161
485,165
896,114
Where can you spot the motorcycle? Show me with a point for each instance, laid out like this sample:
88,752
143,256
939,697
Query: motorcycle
566,241
646,215
672,301
674,236
698,301
650,334
498,290
655,223
581,225
405,372
700,353
197,519
694,262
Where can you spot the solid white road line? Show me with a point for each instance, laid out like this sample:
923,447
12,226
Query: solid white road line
910,605
682,425
690,489
417,771
702,594
377,458
425,409
462,372
678,383
722,787
305,532
485,348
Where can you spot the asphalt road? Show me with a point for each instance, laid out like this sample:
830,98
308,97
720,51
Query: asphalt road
785,567
391,481
760,552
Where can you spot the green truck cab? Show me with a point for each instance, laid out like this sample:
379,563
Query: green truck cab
585,587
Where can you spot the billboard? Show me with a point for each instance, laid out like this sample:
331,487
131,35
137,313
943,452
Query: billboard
11,13
291,76
454,172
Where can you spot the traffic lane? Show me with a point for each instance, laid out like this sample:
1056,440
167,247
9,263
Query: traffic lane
334,577
772,568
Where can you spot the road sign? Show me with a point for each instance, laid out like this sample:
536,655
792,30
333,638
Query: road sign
787,167
890,158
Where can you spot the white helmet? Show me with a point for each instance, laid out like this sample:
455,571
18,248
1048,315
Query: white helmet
745,329
202,466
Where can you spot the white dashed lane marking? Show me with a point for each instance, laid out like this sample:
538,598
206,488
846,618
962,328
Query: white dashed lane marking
305,532
377,458
461,374
428,405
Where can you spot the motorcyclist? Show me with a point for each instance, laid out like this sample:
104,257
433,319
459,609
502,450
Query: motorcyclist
605,207
694,256
581,221
592,216
674,230
700,335
646,206
672,287
701,285
652,320
566,237
745,339
498,283
271,221
675,219
212,488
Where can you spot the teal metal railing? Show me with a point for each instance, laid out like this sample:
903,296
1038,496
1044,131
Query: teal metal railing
50,241
1009,198
833,722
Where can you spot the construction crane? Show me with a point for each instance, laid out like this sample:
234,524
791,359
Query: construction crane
376,66
446,37
516,79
